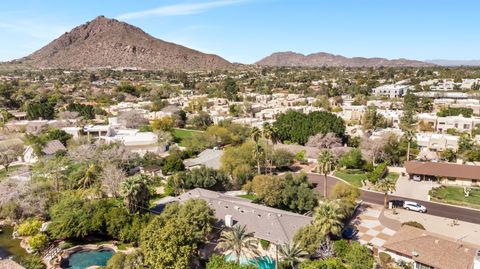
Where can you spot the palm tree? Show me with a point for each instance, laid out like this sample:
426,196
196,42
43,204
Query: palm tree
329,218
410,137
291,254
255,135
90,176
326,164
386,185
270,134
135,192
239,242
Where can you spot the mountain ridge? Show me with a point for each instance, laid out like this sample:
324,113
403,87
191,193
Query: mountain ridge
109,43
319,59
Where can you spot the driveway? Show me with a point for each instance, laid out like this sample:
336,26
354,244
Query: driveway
414,189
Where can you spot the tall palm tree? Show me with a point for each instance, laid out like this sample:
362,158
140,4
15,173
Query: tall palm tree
270,134
326,164
90,176
329,218
135,192
291,254
386,185
239,242
255,135
410,137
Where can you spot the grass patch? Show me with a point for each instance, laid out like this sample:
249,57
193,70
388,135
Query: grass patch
354,177
249,196
456,196
392,176
182,135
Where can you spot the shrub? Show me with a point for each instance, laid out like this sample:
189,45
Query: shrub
414,224
265,244
29,227
385,258
38,242
32,262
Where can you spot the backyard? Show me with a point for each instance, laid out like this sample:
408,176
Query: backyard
182,135
456,196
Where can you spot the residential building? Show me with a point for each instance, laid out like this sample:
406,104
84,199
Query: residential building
209,158
444,173
427,250
271,224
390,90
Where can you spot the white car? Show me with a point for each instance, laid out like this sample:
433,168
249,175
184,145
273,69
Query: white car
408,205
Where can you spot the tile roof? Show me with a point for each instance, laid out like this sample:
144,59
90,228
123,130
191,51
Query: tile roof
53,147
452,170
274,225
431,249
209,157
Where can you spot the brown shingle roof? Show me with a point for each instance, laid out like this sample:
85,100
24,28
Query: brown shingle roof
431,249
443,169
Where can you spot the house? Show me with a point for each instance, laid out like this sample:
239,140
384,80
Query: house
271,224
209,157
430,251
50,149
445,173
391,90
134,140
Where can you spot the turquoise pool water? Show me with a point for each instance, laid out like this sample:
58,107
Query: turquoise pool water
264,262
87,258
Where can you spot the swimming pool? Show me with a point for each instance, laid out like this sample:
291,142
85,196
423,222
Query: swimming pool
264,262
86,258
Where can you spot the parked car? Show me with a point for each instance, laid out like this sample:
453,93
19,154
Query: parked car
349,232
416,178
396,203
414,206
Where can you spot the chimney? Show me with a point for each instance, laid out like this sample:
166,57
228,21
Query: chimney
228,221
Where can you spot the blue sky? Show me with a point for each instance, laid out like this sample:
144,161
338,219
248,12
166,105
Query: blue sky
247,30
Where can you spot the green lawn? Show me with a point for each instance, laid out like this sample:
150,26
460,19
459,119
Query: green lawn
249,196
355,177
352,176
455,195
182,135
393,176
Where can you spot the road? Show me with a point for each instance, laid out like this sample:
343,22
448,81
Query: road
435,209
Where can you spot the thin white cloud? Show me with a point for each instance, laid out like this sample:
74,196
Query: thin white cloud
178,9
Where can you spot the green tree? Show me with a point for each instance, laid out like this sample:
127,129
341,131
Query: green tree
172,238
386,185
309,238
352,159
136,193
329,263
329,218
291,254
230,89
409,136
239,242
326,163
255,135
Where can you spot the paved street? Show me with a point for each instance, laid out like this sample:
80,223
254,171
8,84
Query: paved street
435,209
